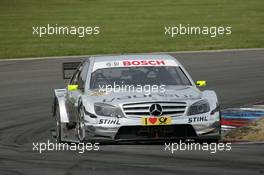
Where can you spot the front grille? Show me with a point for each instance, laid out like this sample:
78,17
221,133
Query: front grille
158,132
142,109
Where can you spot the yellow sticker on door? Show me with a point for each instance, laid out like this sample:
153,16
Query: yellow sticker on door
156,120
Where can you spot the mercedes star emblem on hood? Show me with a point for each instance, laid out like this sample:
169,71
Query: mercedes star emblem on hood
155,110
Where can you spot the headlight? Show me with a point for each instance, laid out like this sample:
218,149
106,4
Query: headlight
199,107
107,110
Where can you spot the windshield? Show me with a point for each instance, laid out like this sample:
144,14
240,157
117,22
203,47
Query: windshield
163,75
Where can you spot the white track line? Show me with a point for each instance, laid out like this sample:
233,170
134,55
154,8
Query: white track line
85,56
246,142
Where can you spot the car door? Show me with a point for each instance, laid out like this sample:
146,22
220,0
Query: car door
73,96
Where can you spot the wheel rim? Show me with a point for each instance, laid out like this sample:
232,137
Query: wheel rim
81,129
58,127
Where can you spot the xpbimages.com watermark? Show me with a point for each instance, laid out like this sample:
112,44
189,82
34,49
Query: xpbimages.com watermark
78,147
192,146
211,31
130,88
79,31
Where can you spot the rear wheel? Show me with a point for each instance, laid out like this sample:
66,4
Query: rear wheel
80,125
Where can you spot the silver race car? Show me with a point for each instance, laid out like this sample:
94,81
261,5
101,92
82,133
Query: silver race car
133,98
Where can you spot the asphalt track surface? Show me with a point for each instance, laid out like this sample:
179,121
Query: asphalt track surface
25,110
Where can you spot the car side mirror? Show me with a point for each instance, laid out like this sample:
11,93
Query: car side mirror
201,83
69,68
72,87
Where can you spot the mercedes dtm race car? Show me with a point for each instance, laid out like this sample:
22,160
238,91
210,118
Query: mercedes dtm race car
133,98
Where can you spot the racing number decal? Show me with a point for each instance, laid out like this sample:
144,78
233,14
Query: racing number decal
156,120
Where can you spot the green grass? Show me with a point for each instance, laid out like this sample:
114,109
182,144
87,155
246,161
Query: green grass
126,25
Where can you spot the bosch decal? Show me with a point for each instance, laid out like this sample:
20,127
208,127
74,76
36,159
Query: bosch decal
143,62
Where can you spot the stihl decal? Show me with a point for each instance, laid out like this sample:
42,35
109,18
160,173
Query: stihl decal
198,119
109,122
144,63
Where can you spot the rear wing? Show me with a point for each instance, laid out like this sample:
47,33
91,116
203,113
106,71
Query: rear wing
69,68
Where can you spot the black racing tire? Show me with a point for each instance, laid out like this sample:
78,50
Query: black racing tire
80,125
58,125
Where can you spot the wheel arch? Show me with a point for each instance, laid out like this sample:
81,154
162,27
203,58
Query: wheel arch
211,97
59,101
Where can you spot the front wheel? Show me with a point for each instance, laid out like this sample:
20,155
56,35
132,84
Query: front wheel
58,125
81,125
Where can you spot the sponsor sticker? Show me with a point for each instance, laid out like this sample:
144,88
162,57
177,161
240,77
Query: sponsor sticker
198,119
156,121
98,93
109,121
144,63
134,63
